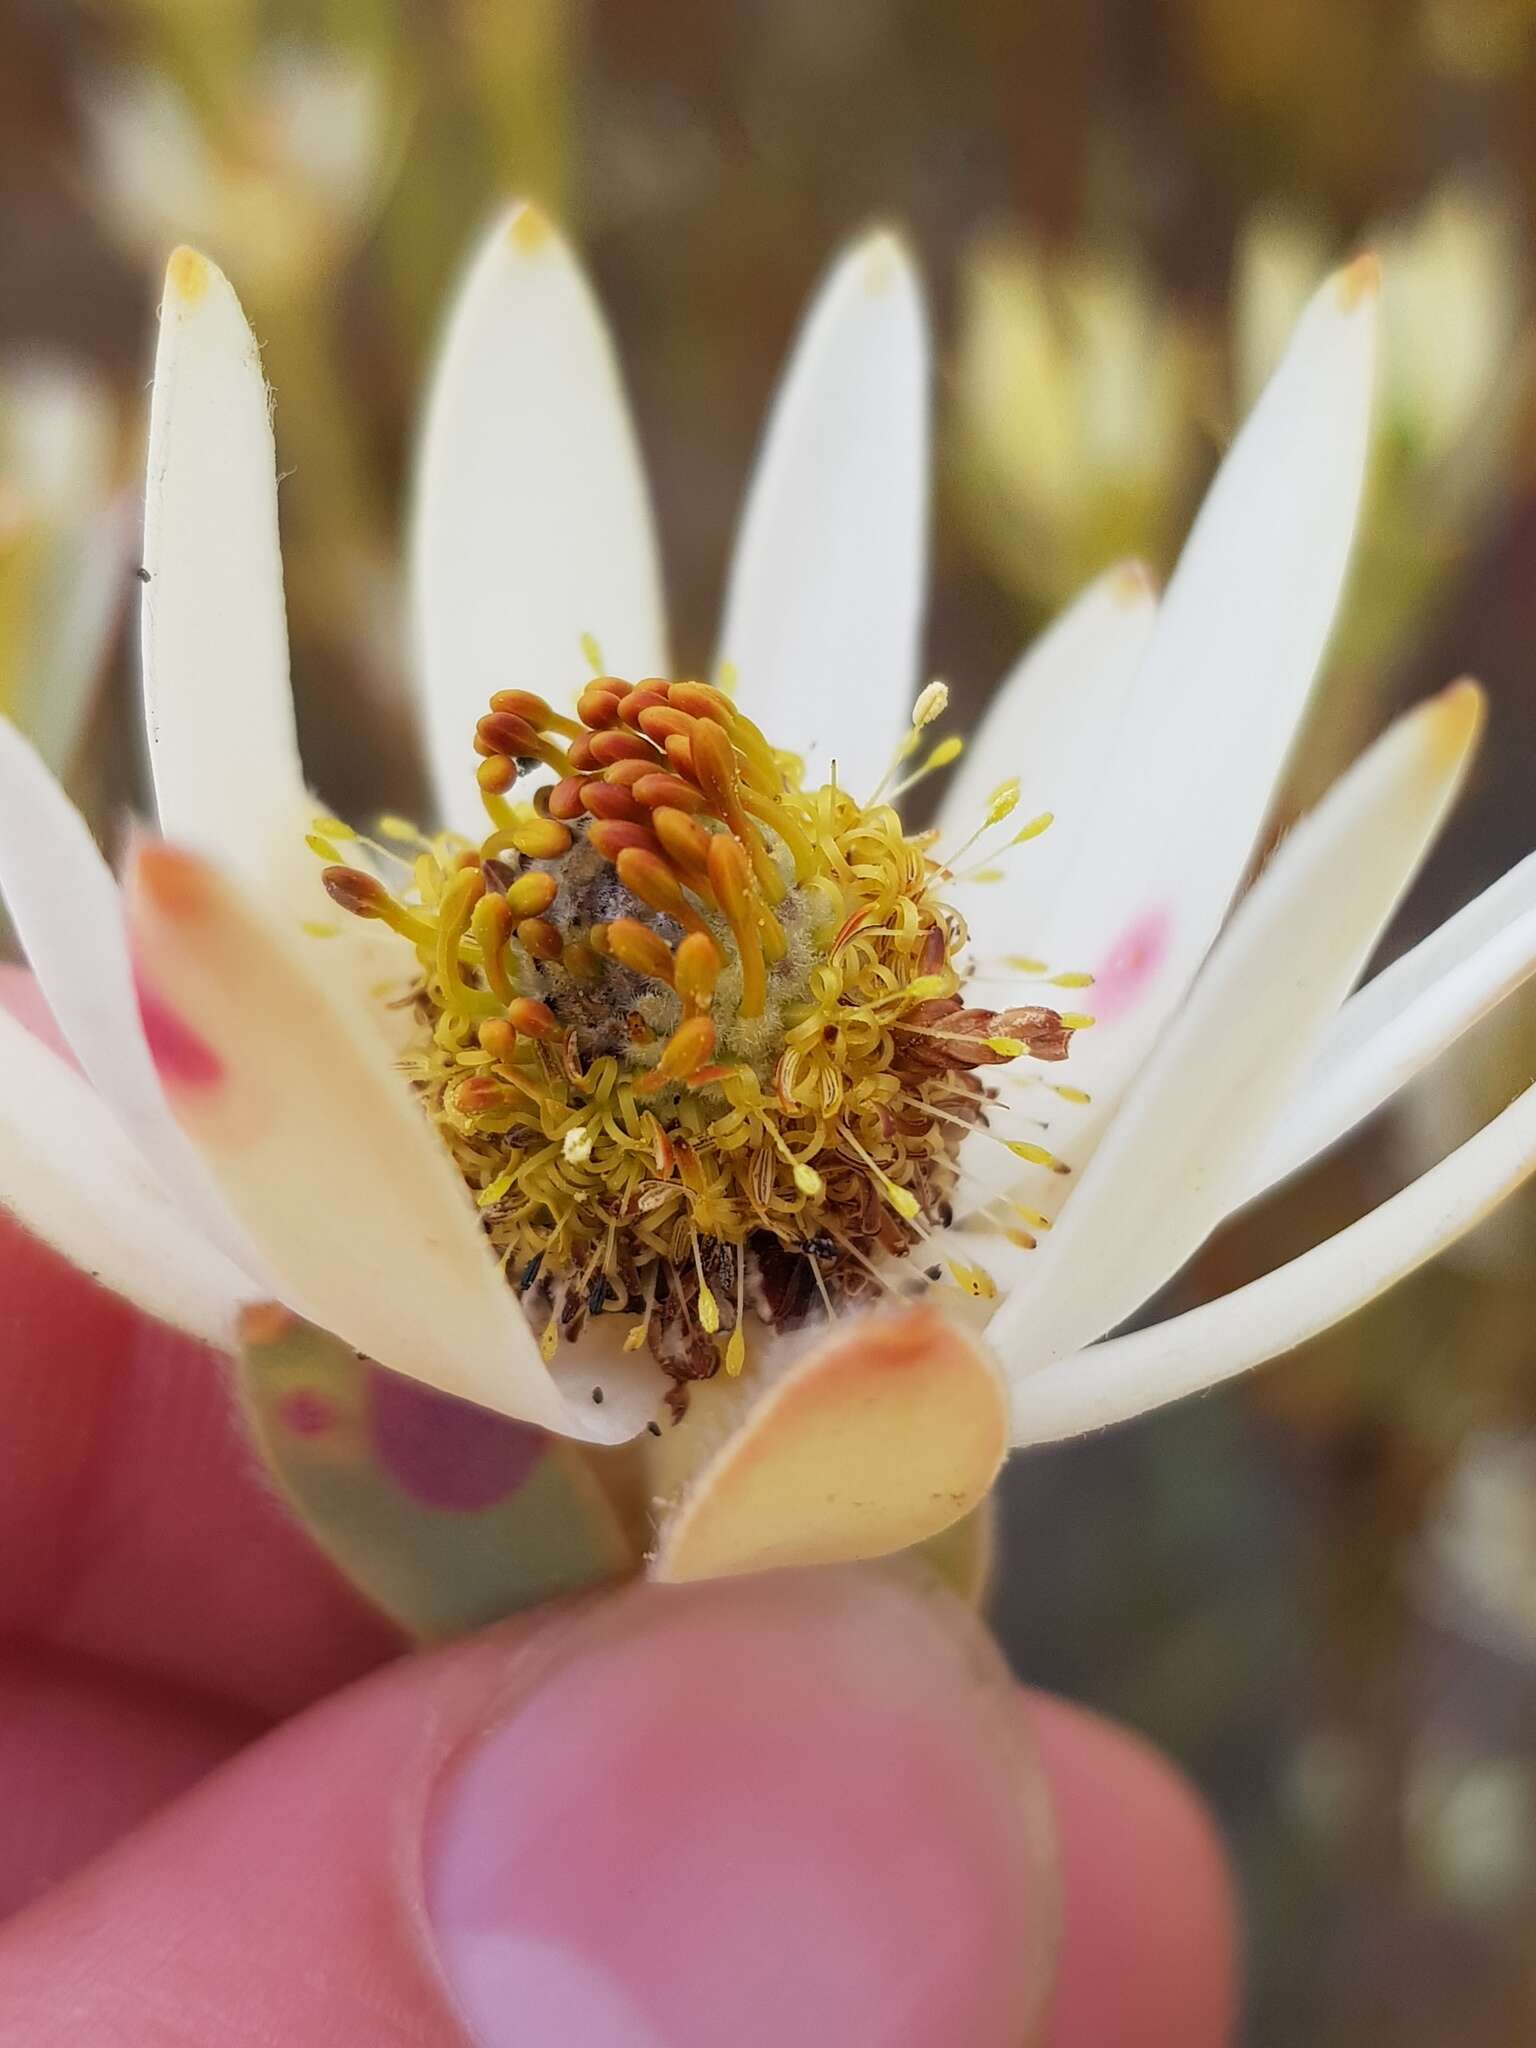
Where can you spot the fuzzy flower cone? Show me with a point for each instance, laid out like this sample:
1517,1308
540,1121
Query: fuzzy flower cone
666,1090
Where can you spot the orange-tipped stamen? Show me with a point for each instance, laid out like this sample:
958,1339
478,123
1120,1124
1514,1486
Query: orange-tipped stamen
654,883
683,1054
637,947
730,877
696,969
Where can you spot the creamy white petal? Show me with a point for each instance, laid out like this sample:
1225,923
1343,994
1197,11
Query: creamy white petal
1392,1029
1130,1374
228,779
824,617
1051,724
68,914
1174,1157
70,1176
531,527
215,637
328,1162
1243,624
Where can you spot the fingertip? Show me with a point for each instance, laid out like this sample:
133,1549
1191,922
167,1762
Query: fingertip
1148,1955
825,1766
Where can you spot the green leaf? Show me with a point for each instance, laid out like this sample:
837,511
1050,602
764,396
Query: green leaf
445,1515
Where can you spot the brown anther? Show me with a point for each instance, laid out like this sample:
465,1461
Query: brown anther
661,723
478,1093
534,709
565,798
492,922
696,968
500,733
657,787
539,939
641,699
685,844
532,1019
943,1033
352,890
604,800
496,774
730,876
540,838
637,1030
680,754
684,1052
531,894
497,1037
655,884
581,963
580,754
701,700
935,951
611,835
598,704
636,946
625,774
597,939
608,747
714,769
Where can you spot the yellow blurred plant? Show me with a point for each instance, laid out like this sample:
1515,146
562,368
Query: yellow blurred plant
1075,436
64,548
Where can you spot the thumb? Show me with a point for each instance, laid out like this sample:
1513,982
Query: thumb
799,1808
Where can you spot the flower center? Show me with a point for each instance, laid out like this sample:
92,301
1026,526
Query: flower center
692,1033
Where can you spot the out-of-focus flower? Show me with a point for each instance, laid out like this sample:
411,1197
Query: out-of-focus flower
692,1113
1454,369
1453,311
277,177
1454,364
1480,1547
1476,39
1469,1820
64,548
1073,426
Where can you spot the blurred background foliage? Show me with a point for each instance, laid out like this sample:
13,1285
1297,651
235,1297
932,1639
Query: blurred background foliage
1319,1591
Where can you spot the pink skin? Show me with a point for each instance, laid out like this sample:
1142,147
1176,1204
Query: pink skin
1131,964
805,1807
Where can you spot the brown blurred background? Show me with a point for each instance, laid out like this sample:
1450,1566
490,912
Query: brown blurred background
1319,1590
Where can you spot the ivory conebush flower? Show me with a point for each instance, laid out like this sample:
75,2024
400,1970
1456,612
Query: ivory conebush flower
726,1077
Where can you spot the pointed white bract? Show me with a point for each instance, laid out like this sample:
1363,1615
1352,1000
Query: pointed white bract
1191,1352
824,615
325,1159
1182,791
217,703
70,1176
1154,734
1051,725
1170,1167
67,911
1404,1017
532,526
